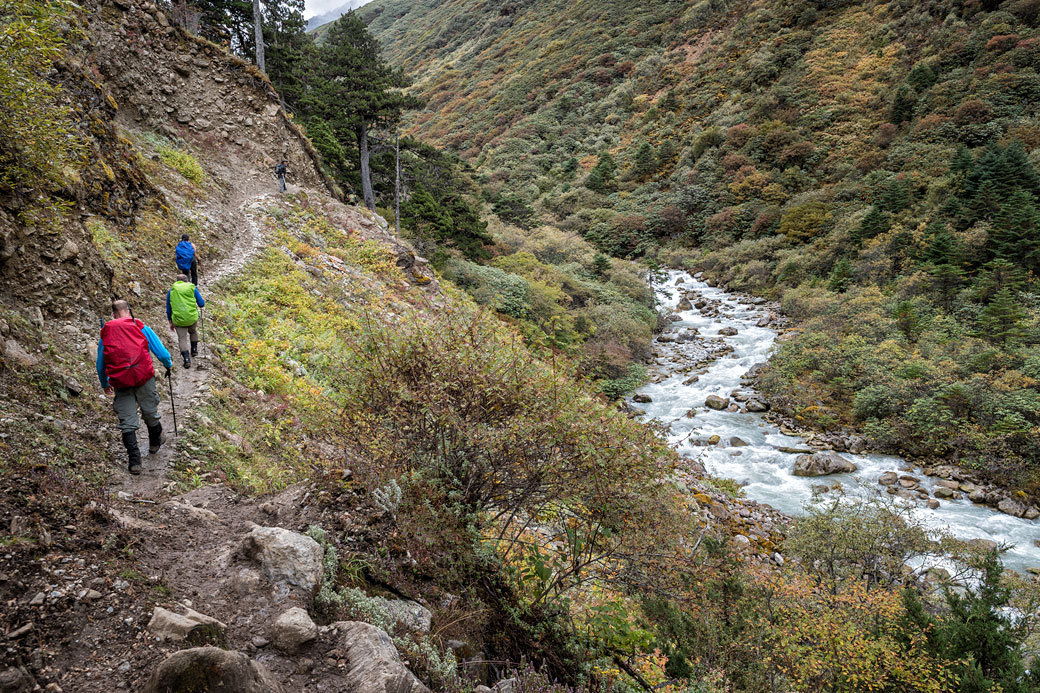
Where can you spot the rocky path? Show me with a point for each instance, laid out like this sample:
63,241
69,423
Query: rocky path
189,385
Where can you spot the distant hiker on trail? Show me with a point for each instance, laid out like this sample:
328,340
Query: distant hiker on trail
279,171
183,301
124,368
187,259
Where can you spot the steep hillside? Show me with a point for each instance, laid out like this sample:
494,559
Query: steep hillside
872,164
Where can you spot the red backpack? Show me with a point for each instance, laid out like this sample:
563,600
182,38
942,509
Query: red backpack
127,361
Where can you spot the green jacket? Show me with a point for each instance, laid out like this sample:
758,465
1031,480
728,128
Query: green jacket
182,304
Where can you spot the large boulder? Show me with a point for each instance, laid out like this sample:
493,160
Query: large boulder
1011,506
287,558
372,661
684,304
716,402
410,615
822,463
292,630
211,669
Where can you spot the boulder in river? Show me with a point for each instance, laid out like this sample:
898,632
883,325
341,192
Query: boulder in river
756,405
727,331
641,398
822,463
944,492
888,478
684,304
1010,506
736,442
716,402
691,380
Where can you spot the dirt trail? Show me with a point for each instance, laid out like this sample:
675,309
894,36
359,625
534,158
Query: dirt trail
189,385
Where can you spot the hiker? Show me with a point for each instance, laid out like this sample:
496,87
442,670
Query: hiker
187,259
183,301
279,171
124,368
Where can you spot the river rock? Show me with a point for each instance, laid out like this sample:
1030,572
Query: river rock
716,402
714,440
293,629
888,478
736,442
684,304
932,504
285,557
982,544
727,331
211,669
977,496
947,483
640,398
1010,506
1031,513
756,405
944,492
373,663
908,482
666,338
700,303
822,463
691,380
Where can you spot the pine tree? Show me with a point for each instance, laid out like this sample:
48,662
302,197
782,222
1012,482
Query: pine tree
1001,320
873,224
643,164
961,167
943,248
903,105
996,275
601,177
1016,231
986,202
600,264
358,91
841,276
978,632
895,197
1020,170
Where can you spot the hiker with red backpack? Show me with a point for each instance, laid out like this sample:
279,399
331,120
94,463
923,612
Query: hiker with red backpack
124,368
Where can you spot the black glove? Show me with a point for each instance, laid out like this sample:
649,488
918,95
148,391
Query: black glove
168,372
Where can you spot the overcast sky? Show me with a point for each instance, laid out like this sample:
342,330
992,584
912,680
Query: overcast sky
318,6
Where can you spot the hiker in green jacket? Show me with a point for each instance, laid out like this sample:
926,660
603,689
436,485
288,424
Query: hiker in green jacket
183,301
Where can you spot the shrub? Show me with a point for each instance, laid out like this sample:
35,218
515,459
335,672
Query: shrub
804,222
182,162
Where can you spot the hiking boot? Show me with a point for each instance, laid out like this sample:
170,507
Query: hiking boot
187,359
155,439
194,349
132,451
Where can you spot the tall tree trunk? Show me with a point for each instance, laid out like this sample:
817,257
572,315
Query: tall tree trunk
366,170
258,35
397,183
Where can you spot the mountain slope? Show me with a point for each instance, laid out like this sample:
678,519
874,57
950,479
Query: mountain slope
872,164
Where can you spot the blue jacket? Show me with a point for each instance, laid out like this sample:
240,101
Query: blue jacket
184,254
169,309
154,345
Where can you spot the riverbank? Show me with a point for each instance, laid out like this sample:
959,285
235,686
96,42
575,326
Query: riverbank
702,387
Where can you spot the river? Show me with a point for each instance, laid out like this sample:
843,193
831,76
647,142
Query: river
765,471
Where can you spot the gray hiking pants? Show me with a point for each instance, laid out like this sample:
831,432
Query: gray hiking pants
183,334
127,401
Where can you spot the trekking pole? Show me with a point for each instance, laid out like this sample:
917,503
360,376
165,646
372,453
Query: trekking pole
173,405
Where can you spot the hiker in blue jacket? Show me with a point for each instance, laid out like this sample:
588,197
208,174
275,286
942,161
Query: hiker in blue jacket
187,259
